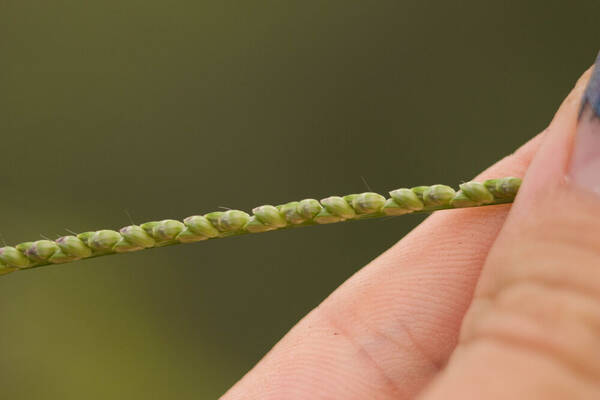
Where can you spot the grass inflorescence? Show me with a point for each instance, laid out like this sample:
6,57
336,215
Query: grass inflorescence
265,218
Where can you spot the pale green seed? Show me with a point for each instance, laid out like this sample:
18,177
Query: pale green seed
309,208
41,250
137,236
269,215
338,206
366,203
477,192
73,246
290,212
491,185
148,227
85,237
407,199
508,187
201,226
349,197
438,195
167,230
24,247
104,240
124,245
214,218
503,188
419,190
11,257
233,220
229,221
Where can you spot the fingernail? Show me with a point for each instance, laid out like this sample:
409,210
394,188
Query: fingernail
585,161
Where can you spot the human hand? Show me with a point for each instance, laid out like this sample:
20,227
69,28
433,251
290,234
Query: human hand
473,303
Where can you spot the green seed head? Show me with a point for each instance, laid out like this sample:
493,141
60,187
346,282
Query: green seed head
201,226
339,207
104,240
406,199
167,230
309,208
73,246
269,215
265,218
477,192
12,257
438,195
290,212
367,203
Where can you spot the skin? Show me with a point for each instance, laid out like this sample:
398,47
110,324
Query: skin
508,307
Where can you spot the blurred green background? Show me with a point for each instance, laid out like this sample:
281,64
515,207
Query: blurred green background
167,109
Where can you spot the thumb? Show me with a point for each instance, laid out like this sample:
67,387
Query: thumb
533,329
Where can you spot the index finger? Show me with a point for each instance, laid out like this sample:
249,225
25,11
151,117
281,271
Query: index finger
389,329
